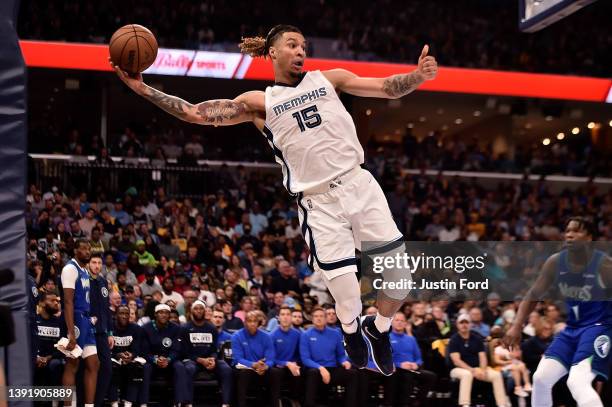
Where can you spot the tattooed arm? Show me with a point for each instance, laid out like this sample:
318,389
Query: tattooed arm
392,87
222,112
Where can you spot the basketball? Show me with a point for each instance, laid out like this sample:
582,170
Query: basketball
133,48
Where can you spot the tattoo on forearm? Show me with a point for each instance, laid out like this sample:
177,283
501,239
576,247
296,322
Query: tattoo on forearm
218,111
171,104
400,85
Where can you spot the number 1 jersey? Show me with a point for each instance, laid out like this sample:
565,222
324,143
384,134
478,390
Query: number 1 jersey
311,133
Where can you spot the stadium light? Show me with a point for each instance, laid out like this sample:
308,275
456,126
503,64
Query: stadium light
591,125
575,130
546,141
368,112
560,136
458,121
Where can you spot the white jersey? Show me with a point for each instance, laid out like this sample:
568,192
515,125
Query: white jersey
312,135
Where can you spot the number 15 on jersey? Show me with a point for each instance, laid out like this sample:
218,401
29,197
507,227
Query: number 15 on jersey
308,118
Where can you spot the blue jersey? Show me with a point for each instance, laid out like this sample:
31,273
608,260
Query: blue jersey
81,289
584,292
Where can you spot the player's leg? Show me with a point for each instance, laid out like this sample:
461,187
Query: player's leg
376,234
330,239
87,342
548,373
580,384
591,359
553,366
90,376
69,376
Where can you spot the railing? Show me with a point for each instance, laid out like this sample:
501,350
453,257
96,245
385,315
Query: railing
85,173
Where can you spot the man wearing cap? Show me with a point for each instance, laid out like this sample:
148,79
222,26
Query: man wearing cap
254,355
161,344
127,358
199,341
102,321
467,353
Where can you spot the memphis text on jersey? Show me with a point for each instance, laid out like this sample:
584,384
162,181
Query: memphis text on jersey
299,100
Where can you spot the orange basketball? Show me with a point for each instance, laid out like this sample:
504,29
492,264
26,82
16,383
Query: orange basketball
133,48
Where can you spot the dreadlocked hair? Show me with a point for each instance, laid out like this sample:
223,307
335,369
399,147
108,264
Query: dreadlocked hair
253,46
259,46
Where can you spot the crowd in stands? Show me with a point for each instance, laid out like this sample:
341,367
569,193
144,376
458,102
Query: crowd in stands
242,254
577,156
467,33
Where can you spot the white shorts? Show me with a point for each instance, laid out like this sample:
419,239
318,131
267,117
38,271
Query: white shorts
338,217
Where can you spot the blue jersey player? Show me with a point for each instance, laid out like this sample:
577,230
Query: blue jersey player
75,283
583,276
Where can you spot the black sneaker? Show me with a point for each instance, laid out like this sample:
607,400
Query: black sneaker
356,347
379,345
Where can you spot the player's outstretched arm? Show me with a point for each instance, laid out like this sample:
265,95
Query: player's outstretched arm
392,87
221,112
543,282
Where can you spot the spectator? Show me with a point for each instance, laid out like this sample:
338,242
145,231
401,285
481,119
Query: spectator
467,353
286,282
169,293
150,284
476,323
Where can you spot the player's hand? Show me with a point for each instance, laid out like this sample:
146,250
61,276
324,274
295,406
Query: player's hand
512,339
427,66
71,343
325,375
346,364
133,82
111,342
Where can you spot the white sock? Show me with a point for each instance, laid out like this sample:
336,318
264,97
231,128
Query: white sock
114,404
89,405
143,405
350,328
382,323
127,404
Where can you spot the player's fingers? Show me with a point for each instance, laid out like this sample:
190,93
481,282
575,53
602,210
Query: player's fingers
424,51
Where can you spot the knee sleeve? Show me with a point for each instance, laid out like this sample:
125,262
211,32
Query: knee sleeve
580,384
393,280
549,371
347,294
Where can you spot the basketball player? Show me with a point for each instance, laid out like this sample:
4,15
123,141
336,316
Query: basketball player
315,142
583,347
75,283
